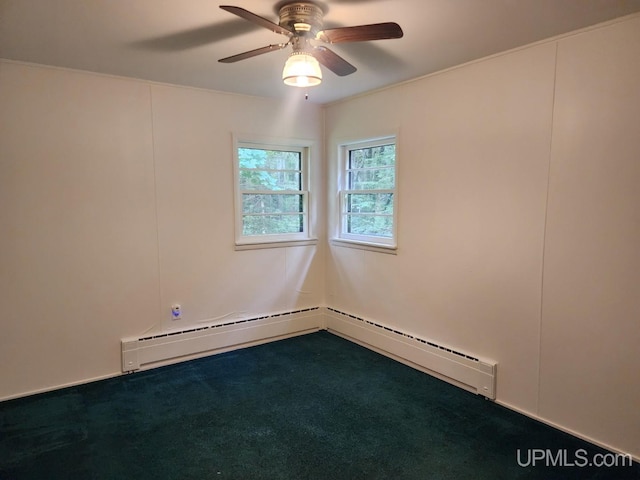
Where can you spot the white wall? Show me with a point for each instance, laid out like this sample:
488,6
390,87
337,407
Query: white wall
116,200
518,221
194,170
590,341
518,224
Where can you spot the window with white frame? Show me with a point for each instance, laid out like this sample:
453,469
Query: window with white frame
272,194
368,201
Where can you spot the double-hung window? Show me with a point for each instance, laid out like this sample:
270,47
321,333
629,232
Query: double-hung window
272,196
368,200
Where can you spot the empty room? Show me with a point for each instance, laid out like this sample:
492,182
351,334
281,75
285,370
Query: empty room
335,239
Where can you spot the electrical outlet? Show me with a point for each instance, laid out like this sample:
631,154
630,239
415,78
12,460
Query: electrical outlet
176,312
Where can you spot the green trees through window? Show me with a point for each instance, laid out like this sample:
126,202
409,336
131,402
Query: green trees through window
272,193
369,191
271,190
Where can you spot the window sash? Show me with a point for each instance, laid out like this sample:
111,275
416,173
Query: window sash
346,217
270,212
302,233
267,177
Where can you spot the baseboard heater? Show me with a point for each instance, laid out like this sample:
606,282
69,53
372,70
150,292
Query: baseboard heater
169,347
461,369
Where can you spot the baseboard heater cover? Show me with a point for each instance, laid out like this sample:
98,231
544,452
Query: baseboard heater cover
457,367
460,368
168,347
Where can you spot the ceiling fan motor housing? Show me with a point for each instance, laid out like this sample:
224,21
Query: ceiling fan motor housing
302,17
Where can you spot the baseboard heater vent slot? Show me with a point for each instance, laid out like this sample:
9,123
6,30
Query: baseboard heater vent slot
463,369
169,347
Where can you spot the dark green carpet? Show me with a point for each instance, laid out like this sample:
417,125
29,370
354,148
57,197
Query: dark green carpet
311,407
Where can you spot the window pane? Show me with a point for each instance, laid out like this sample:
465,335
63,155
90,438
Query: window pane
375,225
380,156
268,159
372,179
266,203
269,180
272,224
370,203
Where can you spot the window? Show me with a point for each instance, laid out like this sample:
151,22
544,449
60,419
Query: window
368,193
271,193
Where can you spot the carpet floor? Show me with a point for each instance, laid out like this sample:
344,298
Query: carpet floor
311,407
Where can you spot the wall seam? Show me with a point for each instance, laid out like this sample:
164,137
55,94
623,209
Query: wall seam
155,201
546,221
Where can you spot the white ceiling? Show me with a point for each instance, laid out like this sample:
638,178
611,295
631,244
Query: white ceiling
179,42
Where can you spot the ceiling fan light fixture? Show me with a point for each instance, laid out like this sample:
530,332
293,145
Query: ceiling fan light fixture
302,70
302,22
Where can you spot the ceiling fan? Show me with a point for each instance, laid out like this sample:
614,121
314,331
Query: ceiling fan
302,23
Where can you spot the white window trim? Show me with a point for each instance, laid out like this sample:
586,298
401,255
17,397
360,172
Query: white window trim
248,242
366,242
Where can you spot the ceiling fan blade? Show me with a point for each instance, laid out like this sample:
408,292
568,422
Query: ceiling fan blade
253,53
333,61
361,33
258,20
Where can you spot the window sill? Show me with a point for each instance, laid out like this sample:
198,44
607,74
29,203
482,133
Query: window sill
276,244
372,247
